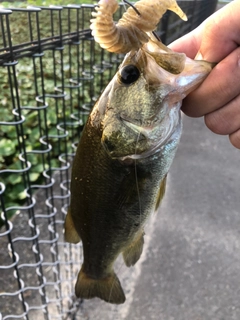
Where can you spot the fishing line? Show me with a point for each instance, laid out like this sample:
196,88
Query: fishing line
124,5
139,202
136,178
110,293
131,5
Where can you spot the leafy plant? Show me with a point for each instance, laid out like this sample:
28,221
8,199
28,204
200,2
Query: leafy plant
46,128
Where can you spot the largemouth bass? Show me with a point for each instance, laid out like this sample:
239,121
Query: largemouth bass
122,160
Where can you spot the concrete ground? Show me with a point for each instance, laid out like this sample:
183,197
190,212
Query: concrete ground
190,268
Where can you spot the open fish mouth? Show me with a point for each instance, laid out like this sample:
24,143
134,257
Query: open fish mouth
156,136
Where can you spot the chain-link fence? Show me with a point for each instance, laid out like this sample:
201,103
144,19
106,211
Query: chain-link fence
51,74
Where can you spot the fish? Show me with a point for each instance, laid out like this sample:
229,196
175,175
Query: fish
122,160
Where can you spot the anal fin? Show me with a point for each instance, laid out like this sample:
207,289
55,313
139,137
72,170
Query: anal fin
70,234
133,252
161,192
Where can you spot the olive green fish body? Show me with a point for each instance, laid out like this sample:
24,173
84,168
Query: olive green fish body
122,160
111,200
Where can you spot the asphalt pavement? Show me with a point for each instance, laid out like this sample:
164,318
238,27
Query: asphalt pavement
190,268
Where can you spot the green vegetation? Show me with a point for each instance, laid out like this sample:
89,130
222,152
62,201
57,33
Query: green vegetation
7,4
58,65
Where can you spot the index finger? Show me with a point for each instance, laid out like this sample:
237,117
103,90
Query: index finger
188,44
219,88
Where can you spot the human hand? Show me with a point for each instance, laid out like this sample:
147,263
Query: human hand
217,39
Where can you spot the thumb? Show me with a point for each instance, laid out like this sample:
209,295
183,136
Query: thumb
220,33
188,44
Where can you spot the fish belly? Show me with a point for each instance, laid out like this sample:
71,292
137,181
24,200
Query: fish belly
110,202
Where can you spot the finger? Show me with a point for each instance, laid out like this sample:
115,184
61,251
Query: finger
220,33
235,139
215,38
219,88
188,44
226,120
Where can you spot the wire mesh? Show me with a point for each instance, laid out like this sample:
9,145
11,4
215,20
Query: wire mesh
51,74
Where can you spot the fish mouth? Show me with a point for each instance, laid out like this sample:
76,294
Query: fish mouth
157,135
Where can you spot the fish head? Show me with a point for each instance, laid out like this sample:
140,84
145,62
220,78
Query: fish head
139,112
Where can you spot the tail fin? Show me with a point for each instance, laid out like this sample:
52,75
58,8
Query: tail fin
108,289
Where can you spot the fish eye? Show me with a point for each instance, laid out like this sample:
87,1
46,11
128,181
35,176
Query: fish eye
129,74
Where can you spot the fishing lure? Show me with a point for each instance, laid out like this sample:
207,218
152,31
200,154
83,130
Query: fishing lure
130,33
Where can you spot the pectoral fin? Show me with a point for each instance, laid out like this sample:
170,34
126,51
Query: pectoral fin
132,253
161,192
70,234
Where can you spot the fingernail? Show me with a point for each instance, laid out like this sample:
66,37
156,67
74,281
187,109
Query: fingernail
199,56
